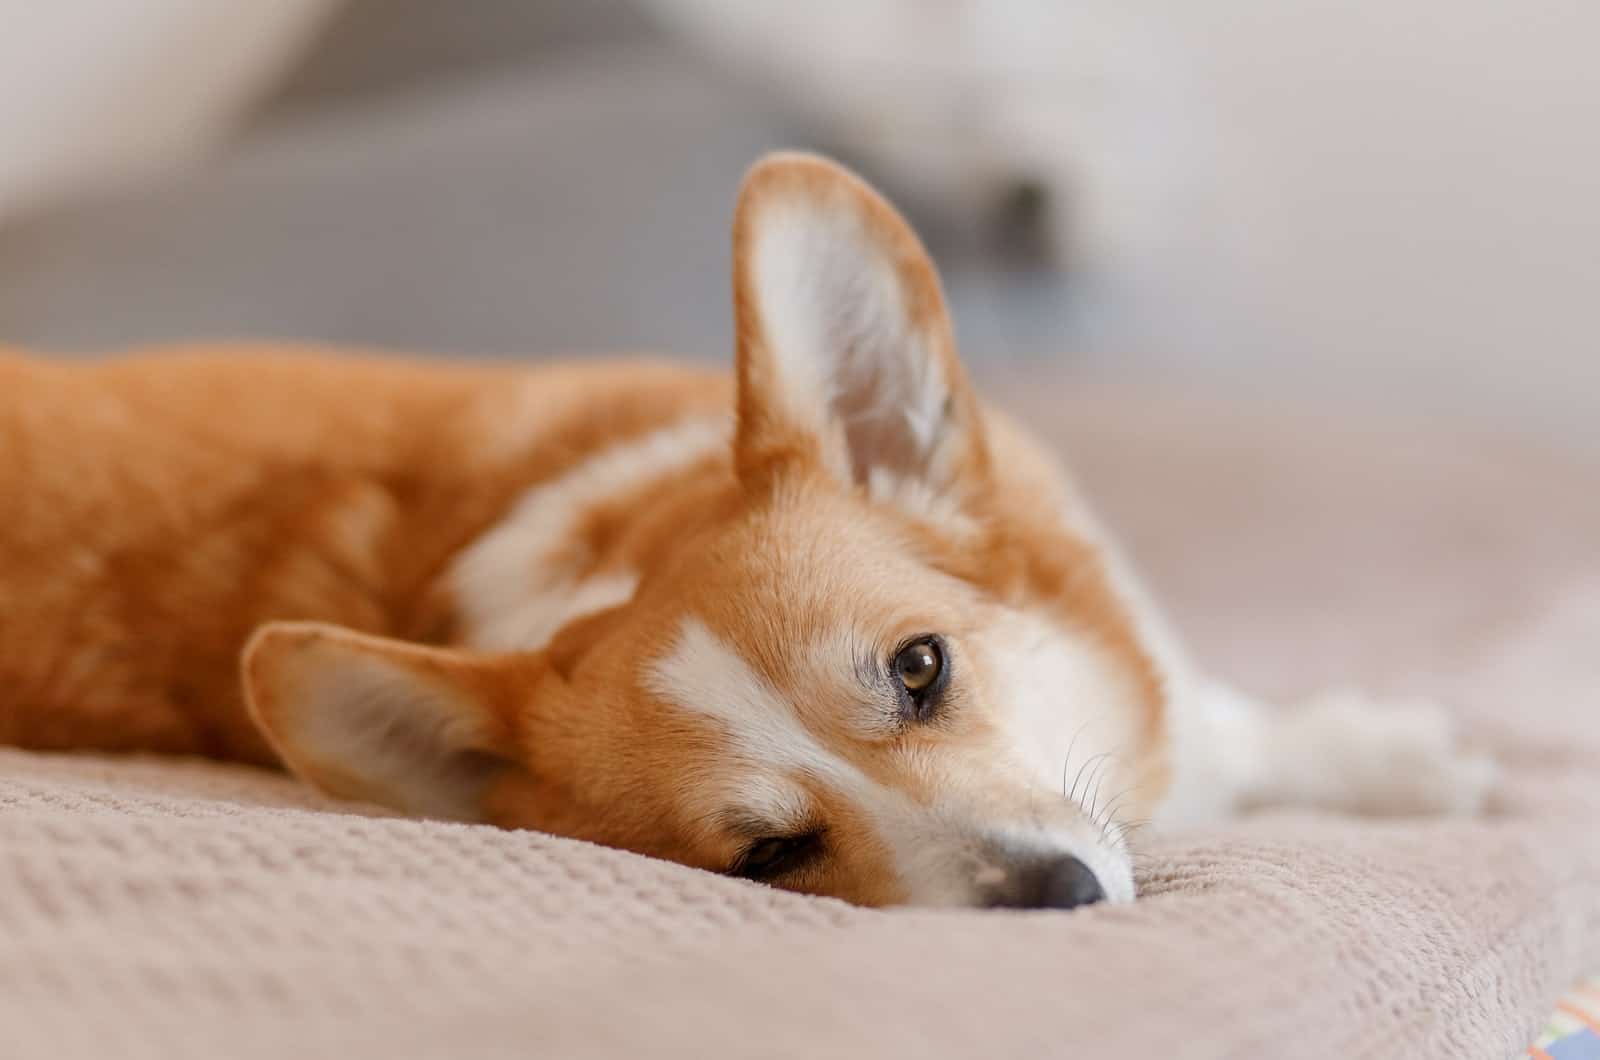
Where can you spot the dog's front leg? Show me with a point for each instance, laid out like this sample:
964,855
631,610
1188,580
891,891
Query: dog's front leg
1339,752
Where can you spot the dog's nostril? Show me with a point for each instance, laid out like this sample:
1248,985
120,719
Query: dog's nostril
1068,883
1060,883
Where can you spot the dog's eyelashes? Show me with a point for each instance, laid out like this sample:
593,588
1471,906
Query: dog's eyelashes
921,669
776,855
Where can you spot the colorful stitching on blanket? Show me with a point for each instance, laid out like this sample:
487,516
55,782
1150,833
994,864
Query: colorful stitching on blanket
1573,1032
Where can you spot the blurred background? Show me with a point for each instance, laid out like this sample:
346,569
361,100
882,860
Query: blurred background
1384,207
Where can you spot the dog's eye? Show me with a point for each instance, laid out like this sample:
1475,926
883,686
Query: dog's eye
918,665
776,855
923,672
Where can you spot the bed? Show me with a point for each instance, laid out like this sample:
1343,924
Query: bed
157,908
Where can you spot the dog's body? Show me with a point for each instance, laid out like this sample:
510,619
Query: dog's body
830,624
161,507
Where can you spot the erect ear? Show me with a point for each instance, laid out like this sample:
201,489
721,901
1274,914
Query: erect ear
421,730
844,348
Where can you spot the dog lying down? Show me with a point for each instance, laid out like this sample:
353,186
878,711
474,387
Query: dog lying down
832,624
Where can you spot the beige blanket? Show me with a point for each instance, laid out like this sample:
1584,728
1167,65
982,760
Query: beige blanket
159,909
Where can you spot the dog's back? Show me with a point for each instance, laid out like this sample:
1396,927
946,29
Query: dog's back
158,507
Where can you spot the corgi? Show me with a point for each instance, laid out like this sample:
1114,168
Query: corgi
831,624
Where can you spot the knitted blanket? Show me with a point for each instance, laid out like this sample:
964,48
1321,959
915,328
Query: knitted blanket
169,909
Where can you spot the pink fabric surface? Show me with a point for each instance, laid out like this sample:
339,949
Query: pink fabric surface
175,909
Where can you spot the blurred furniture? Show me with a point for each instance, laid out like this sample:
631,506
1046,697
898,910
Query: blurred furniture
532,177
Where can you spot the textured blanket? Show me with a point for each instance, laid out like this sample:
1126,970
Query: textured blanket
180,909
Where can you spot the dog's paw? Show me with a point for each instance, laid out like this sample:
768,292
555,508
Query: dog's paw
1389,759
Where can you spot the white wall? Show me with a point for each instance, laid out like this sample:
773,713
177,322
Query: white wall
1388,203
1407,206
97,91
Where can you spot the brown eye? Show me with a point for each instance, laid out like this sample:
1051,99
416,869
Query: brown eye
922,672
918,665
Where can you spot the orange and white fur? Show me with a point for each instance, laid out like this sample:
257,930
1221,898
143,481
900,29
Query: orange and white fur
832,623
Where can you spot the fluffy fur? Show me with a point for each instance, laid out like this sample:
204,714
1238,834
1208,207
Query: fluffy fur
645,605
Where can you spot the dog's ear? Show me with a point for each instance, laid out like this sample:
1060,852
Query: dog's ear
845,353
421,730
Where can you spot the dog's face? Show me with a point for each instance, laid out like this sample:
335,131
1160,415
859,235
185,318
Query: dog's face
857,665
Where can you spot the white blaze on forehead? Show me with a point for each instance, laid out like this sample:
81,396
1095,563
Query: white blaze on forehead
512,587
703,675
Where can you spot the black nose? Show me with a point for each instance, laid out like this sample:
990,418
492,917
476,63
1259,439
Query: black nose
1056,883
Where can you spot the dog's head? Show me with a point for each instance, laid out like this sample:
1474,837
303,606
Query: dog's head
857,654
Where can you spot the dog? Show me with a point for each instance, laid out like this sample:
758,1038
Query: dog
831,624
